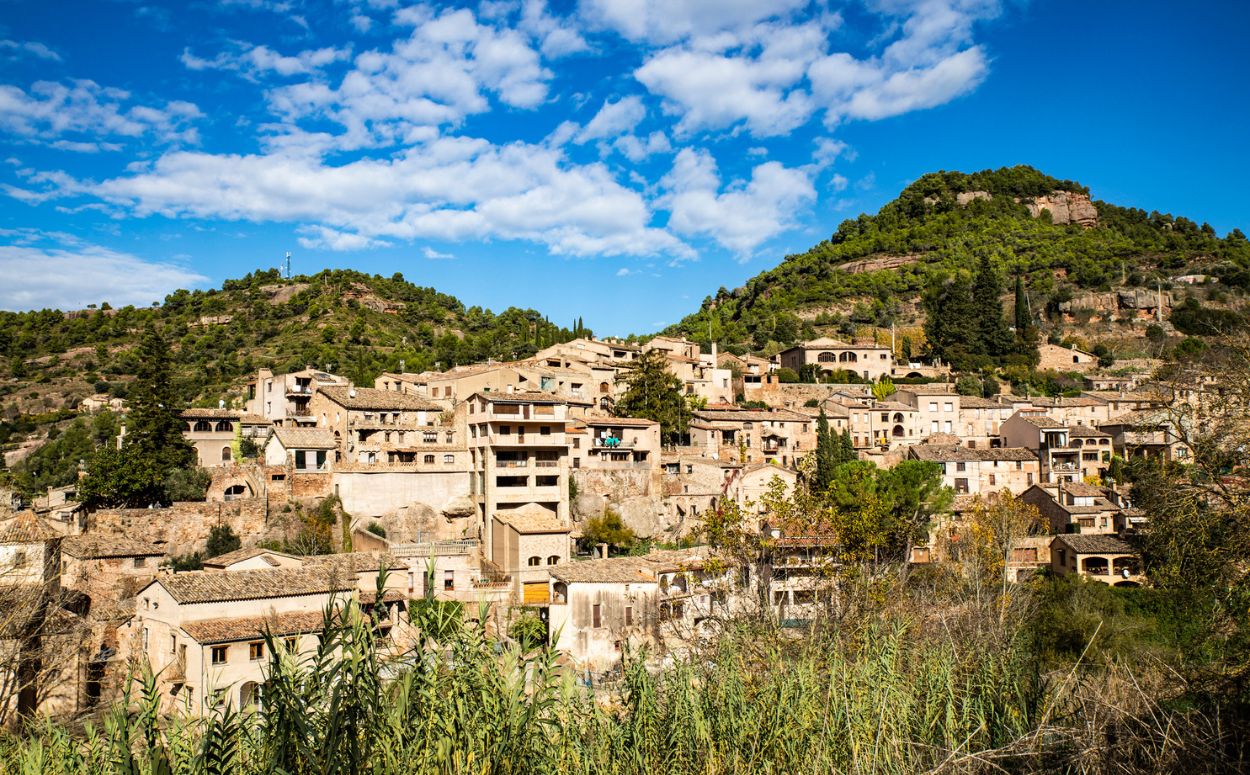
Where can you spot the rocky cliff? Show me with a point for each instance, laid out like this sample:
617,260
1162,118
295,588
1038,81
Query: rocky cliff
1065,207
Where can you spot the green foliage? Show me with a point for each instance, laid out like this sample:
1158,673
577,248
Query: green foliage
608,529
528,630
377,529
221,540
187,484
186,562
654,393
56,463
1194,319
786,375
950,239
153,448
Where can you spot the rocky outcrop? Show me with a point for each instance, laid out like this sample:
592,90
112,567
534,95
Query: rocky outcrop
1065,207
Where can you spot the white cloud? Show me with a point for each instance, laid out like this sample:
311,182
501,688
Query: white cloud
637,149
262,60
920,88
436,76
32,48
451,189
433,255
49,110
557,37
324,238
613,119
625,272
668,21
72,278
746,213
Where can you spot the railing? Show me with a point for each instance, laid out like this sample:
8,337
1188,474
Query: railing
615,443
546,463
437,548
177,669
299,390
511,463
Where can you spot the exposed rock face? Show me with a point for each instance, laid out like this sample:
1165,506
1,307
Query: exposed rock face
589,505
642,515
1065,207
964,197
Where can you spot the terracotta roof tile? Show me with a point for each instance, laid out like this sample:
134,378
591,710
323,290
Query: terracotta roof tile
96,546
1095,544
371,398
254,627
26,528
212,586
532,518
305,438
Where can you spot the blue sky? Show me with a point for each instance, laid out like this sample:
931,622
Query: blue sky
614,159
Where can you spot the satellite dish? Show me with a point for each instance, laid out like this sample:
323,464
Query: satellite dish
1124,572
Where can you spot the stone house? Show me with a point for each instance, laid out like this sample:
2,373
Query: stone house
1059,358
1103,558
519,453
527,542
1049,438
768,435
937,407
104,566
872,362
981,471
660,600
253,558
203,631
1074,507
212,433
284,399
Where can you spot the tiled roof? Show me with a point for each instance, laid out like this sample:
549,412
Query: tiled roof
624,422
96,546
1085,431
526,397
1083,490
213,586
253,627
239,555
753,415
356,562
223,414
254,419
532,518
372,398
614,570
26,528
1039,420
1095,544
945,452
305,438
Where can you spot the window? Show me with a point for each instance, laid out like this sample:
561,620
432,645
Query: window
577,443
596,615
256,650
961,466
429,437
449,581
219,655
933,406
1029,478
553,559
141,561
535,561
505,430
544,430
961,486
225,455
19,557
629,615
949,406
449,459
992,480
291,644
428,460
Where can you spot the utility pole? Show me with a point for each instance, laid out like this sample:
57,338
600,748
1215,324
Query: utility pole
287,264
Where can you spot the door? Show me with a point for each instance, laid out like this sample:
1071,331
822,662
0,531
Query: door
534,592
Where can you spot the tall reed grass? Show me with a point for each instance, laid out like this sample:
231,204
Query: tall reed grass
893,694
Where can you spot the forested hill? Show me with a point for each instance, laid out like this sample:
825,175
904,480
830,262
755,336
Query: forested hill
872,271
355,324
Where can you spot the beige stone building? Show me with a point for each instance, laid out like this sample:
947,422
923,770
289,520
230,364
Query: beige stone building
1059,358
519,454
1075,507
1102,558
768,435
285,399
108,567
871,362
212,433
664,600
527,543
938,408
981,470
1049,438
203,631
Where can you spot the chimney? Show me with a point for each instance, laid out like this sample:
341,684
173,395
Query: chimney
351,392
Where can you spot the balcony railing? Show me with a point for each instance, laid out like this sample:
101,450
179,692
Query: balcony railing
615,443
176,671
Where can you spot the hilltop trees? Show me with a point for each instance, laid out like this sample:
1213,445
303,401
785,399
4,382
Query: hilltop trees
965,325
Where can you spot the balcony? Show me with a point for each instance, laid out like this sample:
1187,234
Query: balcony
299,390
615,443
176,669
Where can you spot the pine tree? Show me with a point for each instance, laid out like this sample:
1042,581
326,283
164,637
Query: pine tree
848,448
950,322
654,393
1022,306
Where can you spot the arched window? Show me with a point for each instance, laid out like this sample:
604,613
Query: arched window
235,491
826,358
203,426
898,417
226,457
225,426
553,559
604,388
535,561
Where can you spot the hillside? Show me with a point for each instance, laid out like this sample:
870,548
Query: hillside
873,270
348,322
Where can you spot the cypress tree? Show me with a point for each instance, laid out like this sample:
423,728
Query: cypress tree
848,448
1022,307
826,453
994,338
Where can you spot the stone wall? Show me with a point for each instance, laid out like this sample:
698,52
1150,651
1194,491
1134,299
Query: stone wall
795,394
183,527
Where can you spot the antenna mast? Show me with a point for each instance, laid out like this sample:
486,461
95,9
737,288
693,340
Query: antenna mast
286,265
